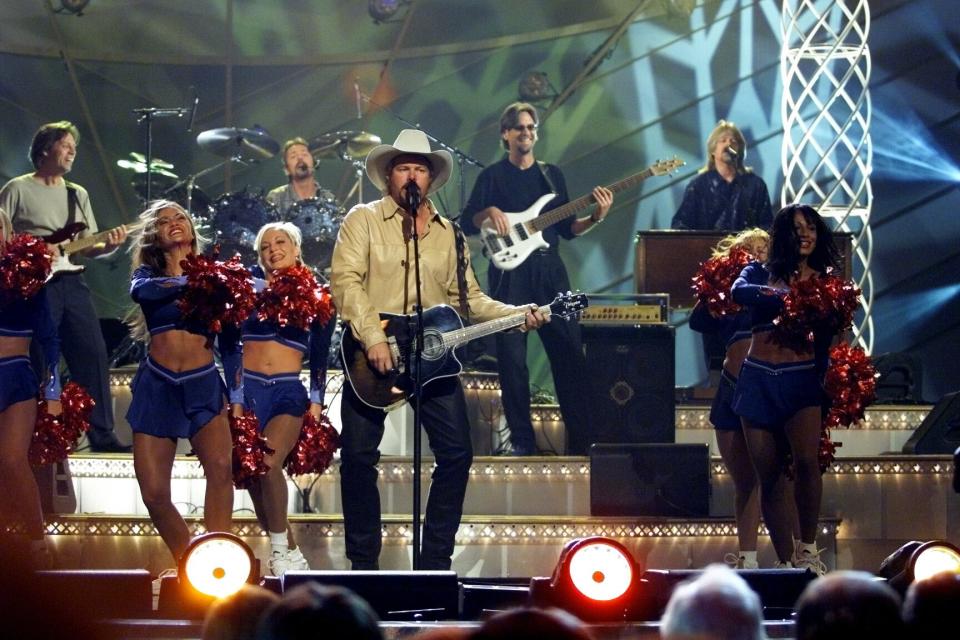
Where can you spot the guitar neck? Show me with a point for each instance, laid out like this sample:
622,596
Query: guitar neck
584,202
458,337
85,243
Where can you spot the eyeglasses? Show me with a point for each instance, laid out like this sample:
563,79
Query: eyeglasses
521,127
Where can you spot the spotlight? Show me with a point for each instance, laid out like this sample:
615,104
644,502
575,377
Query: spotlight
534,86
595,579
75,7
217,564
917,561
383,10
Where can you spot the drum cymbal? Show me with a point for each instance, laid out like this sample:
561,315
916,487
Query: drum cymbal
161,180
230,142
354,145
142,159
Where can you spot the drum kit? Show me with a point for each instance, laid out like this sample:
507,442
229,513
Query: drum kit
233,219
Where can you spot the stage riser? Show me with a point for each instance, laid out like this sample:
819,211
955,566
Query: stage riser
485,548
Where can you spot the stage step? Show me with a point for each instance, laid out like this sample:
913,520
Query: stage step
877,503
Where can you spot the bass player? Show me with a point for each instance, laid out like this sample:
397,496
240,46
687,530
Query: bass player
513,184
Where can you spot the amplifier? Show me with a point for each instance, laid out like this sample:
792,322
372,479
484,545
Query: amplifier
626,310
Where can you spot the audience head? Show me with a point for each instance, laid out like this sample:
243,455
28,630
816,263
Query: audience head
847,605
315,610
533,624
718,604
930,606
236,617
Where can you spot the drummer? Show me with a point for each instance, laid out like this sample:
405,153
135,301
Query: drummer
299,165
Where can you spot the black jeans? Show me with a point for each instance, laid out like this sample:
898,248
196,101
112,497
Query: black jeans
448,433
539,280
82,346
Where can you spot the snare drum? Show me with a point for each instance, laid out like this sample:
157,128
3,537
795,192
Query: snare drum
319,222
236,219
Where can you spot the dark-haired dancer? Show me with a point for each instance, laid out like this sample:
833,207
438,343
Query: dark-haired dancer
177,391
780,392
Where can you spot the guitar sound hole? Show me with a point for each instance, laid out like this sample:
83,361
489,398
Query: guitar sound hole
432,345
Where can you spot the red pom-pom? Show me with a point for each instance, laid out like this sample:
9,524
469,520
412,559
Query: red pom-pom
24,267
314,450
249,449
54,437
819,304
827,450
850,383
216,292
294,298
715,278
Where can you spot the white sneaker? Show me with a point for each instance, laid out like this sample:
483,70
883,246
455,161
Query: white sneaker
736,561
807,560
291,559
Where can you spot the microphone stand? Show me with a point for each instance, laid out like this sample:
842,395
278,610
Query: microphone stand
147,114
460,156
413,205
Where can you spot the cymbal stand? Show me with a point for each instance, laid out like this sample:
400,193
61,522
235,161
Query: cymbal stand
358,185
148,114
190,181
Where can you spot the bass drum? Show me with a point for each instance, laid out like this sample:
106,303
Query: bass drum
235,220
319,222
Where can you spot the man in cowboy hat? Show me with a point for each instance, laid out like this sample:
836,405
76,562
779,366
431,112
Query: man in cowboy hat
373,272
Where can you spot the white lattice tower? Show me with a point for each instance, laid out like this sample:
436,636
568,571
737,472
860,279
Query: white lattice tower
827,154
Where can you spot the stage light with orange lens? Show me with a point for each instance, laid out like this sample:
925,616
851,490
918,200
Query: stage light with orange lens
595,578
917,561
217,564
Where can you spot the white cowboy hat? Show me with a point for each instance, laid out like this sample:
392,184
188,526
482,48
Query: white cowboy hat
410,141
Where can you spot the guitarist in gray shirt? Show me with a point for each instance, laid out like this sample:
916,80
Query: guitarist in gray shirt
512,185
44,204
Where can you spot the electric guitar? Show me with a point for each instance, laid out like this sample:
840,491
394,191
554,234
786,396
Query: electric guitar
526,235
64,245
443,331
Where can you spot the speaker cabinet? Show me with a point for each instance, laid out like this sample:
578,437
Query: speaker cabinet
940,430
631,370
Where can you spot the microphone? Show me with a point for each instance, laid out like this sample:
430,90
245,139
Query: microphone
731,154
357,98
412,197
193,111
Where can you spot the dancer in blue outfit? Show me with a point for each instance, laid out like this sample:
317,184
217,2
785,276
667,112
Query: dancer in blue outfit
20,322
177,391
272,360
733,330
780,392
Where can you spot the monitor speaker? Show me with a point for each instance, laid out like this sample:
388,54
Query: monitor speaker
631,370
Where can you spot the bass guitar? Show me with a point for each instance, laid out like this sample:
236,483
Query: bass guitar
443,331
64,245
526,234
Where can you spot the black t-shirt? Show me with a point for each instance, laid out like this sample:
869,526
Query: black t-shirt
513,190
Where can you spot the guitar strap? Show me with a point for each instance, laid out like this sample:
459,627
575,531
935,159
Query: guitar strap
546,176
462,265
72,203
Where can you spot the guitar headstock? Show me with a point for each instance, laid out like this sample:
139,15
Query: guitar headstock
568,304
664,167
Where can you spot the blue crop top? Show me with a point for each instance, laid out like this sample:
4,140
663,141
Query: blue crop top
157,296
765,302
31,319
730,328
314,343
